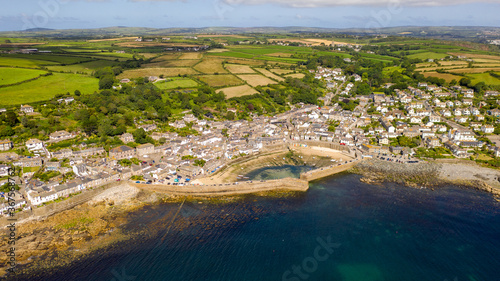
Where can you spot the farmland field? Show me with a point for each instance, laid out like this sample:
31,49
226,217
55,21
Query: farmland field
167,57
427,55
191,56
474,70
270,74
172,63
455,63
220,80
46,88
87,67
476,56
61,59
280,71
176,83
20,62
238,91
296,75
256,80
217,50
245,61
484,77
446,76
236,69
210,66
14,75
167,72
285,55
148,55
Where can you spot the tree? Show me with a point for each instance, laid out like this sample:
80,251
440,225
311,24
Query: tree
106,82
465,82
6,131
230,115
77,93
363,89
141,137
199,162
11,118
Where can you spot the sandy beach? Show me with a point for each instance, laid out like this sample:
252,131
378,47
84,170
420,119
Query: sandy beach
314,156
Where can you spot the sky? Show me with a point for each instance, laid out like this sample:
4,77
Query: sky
69,14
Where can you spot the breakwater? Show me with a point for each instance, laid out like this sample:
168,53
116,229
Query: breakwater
228,189
328,171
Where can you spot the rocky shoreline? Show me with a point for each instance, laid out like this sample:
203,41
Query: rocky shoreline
70,235
74,235
429,175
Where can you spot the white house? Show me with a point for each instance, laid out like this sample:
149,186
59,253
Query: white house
34,144
487,129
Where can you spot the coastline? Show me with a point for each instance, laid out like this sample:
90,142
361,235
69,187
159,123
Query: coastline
94,225
430,174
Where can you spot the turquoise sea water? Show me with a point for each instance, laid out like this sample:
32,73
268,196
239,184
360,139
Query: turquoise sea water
341,229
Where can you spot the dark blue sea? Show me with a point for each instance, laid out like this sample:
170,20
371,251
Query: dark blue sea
341,229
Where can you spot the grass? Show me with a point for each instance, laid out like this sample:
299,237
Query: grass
484,157
176,83
484,77
220,80
46,88
60,59
20,62
210,66
256,80
86,67
30,169
79,223
173,63
445,76
238,91
167,57
10,75
474,70
191,56
238,69
245,61
296,75
167,72
285,55
270,74
281,71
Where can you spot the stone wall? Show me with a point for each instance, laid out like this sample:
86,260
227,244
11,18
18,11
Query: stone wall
328,171
228,188
325,144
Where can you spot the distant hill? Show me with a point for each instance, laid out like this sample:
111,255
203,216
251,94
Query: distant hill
438,32
37,29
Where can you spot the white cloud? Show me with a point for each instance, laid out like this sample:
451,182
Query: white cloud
331,3
326,3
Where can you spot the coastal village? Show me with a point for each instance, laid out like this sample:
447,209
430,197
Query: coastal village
427,116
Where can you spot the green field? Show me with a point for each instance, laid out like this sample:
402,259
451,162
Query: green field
10,75
46,88
20,62
176,83
484,77
61,59
86,67
428,55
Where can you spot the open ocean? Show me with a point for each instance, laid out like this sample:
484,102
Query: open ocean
341,229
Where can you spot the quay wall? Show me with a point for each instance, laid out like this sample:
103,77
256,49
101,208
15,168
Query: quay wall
228,188
328,171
